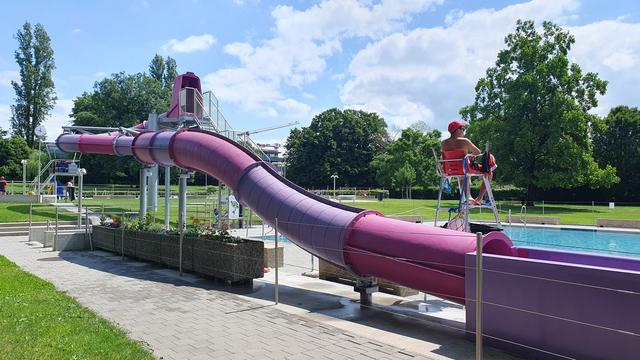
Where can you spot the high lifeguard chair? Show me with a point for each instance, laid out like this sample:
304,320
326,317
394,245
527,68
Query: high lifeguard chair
462,166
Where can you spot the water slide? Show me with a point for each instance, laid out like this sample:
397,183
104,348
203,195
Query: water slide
366,242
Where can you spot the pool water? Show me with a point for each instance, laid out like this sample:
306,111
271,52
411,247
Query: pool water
603,242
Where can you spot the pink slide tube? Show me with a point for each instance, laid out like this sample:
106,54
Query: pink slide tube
426,258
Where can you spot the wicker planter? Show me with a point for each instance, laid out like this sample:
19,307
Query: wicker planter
231,262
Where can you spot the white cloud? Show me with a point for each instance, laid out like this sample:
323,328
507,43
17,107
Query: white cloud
295,108
430,73
191,44
612,49
5,116
59,117
53,123
7,76
76,31
302,41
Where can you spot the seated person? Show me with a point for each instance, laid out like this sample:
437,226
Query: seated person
458,143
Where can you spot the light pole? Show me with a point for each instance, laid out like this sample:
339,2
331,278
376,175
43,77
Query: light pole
24,176
40,132
334,177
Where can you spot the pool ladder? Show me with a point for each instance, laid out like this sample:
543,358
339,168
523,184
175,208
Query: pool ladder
523,214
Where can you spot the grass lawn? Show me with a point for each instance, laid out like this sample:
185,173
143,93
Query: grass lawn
578,214
582,214
39,322
10,212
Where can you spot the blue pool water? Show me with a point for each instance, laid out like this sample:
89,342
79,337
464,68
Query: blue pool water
603,242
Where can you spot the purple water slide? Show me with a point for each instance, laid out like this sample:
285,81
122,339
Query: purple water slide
427,258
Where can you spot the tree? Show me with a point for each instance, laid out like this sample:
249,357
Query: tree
156,68
35,93
336,142
532,107
171,72
413,148
121,100
404,179
617,143
13,149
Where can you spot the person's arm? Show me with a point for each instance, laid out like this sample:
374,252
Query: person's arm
472,148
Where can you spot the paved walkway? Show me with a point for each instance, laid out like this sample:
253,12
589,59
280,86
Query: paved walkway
192,318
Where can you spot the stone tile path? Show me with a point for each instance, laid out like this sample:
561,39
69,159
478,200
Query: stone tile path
188,318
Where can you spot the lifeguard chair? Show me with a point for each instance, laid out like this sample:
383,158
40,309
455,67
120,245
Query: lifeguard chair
462,166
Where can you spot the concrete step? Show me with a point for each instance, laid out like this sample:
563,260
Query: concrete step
24,231
35,223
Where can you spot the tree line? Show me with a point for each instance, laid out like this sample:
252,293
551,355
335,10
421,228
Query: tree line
532,107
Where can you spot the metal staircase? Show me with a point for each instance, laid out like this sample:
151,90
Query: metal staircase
202,111
54,168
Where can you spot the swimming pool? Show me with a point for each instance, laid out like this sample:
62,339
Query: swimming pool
601,241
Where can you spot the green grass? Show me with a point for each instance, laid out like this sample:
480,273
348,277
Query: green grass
12,212
579,214
39,322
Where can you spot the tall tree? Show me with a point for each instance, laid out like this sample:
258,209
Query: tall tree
35,93
404,179
617,143
171,71
121,100
412,149
156,68
532,106
13,149
336,142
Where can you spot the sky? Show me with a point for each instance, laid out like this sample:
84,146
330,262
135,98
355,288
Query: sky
275,62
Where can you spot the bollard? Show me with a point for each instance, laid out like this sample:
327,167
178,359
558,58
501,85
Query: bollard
180,251
478,296
122,236
30,219
86,228
276,261
312,266
55,238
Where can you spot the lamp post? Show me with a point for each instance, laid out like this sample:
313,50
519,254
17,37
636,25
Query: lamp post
334,177
40,132
24,176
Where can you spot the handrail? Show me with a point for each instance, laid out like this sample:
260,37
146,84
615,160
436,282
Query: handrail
523,208
228,130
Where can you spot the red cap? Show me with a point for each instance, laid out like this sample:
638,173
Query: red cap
455,125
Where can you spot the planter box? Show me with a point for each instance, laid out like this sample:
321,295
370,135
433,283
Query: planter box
231,262
330,272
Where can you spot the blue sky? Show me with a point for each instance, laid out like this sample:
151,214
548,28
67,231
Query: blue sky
273,62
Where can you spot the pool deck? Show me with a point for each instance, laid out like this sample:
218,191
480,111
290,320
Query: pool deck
189,317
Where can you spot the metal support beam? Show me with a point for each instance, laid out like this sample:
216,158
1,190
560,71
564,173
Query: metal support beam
167,195
143,192
182,200
81,173
366,286
152,194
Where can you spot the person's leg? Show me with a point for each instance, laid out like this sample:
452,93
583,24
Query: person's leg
483,190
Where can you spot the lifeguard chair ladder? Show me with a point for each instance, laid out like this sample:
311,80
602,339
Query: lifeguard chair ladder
458,168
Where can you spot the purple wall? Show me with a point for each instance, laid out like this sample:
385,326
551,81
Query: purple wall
562,298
